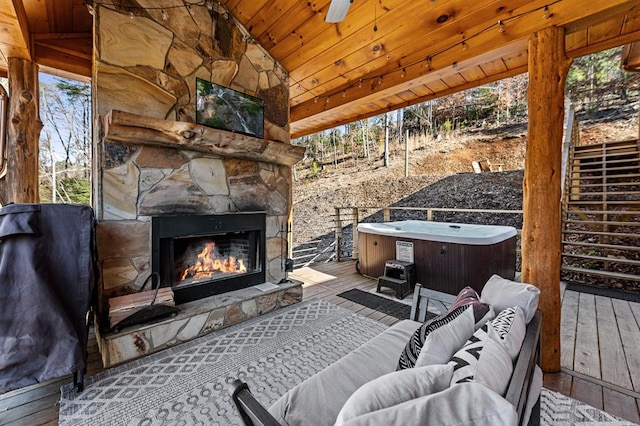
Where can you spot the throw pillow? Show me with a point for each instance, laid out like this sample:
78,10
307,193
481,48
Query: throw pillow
483,312
412,350
468,296
395,388
483,360
440,344
501,293
466,404
509,328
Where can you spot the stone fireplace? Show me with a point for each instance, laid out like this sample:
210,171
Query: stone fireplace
156,167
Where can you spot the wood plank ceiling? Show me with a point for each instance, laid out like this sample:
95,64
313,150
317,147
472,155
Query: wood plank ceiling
56,34
386,54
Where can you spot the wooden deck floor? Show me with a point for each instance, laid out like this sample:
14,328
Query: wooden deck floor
600,350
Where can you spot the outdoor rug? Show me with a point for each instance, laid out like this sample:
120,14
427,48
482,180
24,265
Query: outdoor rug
188,384
378,303
559,410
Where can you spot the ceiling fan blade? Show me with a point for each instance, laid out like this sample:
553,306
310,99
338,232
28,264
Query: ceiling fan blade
338,10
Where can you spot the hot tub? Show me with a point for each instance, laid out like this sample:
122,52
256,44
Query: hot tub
447,256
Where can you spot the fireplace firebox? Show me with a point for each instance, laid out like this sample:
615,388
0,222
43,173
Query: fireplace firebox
200,256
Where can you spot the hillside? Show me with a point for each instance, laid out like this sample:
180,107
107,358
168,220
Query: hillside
440,175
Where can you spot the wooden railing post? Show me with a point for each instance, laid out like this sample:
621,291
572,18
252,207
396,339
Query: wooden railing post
355,253
386,215
338,233
430,214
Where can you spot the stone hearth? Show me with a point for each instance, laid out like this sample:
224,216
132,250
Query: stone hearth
196,319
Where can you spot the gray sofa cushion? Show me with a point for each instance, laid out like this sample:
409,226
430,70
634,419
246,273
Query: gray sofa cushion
319,399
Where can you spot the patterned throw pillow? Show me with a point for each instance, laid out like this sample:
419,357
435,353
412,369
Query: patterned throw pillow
509,328
410,354
445,334
484,360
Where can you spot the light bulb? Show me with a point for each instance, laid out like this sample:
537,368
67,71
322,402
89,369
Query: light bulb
164,15
465,46
131,15
546,15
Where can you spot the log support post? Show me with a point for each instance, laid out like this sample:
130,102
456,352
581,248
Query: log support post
20,184
541,233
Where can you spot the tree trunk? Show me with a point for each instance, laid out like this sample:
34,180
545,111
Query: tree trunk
20,184
548,67
386,139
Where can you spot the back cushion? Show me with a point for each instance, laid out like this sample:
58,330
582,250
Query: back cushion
501,294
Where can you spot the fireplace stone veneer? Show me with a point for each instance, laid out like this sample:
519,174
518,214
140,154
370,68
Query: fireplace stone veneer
141,181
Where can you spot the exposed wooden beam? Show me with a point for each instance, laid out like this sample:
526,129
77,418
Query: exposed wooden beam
321,123
15,38
604,45
602,15
400,80
330,76
343,64
541,247
77,66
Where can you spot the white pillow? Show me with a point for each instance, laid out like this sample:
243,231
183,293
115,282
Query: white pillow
440,345
466,404
483,360
501,293
509,329
395,388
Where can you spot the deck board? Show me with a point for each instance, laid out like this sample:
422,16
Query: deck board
587,392
613,363
568,326
620,405
630,330
587,356
589,325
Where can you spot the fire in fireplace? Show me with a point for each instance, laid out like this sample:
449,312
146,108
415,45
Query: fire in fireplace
199,256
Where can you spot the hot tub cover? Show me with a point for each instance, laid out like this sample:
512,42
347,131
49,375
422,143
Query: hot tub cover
47,278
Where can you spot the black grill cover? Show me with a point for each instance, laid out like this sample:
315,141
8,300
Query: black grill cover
47,278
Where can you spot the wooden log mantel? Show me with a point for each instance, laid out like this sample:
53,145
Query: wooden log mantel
125,127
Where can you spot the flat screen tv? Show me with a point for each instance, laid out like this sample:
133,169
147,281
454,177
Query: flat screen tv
227,109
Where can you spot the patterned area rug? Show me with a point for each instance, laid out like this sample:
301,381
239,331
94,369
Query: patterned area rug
559,410
189,384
